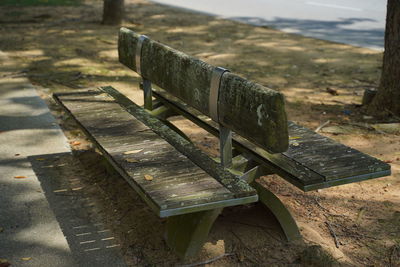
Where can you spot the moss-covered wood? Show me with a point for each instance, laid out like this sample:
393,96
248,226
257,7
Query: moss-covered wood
177,185
237,186
255,112
312,161
259,110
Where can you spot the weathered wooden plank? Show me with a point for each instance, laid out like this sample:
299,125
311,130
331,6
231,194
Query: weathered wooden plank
307,149
176,180
255,112
173,189
184,192
346,170
198,199
174,168
296,170
330,159
143,135
235,184
298,175
173,185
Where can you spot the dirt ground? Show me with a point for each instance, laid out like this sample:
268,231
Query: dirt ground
66,48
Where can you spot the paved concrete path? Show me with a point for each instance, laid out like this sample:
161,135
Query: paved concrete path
355,22
37,228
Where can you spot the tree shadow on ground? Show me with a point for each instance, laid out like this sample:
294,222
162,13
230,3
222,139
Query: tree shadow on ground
71,50
335,31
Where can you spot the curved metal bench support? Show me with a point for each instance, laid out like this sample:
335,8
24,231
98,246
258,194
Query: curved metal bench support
281,213
186,234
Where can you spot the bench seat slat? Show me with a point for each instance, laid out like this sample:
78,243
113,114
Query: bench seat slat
329,158
176,181
236,185
178,186
121,139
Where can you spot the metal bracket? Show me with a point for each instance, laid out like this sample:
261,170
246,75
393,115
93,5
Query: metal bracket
225,134
147,94
138,54
148,99
225,146
214,92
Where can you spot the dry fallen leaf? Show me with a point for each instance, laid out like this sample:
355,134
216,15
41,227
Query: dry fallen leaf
75,143
148,177
20,177
132,151
332,91
132,160
26,258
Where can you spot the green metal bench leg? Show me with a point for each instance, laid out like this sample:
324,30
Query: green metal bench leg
162,112
281,213
186,234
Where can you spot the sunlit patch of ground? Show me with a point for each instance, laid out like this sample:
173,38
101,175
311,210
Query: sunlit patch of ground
66,48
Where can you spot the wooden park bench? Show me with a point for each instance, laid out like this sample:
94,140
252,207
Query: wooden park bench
178,180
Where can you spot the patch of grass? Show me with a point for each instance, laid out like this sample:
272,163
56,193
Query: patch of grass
39,2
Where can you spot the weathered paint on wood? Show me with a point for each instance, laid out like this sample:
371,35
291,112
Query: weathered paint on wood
177,185
249,109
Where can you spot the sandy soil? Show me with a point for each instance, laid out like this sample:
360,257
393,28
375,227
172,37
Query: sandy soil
66,48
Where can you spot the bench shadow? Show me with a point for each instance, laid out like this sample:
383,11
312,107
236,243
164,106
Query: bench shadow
91,242
146,226
95,223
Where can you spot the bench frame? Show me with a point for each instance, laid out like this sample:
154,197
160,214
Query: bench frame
186,233
188,240
248,164
266,197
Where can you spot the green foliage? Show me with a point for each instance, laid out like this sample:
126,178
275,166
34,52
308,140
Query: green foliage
39,2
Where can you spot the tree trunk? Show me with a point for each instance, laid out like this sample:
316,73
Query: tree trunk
387,99
113,12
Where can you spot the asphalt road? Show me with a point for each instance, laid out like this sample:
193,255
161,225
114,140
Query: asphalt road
355,22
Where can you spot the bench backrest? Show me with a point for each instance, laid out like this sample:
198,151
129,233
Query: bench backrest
249,109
